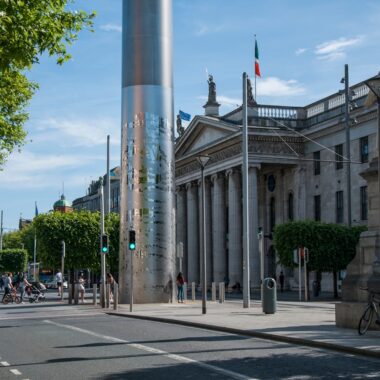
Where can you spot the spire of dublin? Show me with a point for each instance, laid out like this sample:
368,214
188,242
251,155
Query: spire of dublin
147,203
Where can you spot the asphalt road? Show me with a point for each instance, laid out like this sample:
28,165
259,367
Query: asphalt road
41,342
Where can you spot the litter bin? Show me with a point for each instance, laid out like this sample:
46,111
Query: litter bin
269,296
315,289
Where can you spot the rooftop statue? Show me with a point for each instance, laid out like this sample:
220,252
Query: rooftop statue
211,90
180,128
250,99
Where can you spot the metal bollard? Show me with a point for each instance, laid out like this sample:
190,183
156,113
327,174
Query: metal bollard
115,296
224,291
193,291
76,294
213,292
70,294
94,294
100,295
185,291
108,293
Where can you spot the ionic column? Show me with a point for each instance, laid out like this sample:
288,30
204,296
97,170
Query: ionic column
300,199
235,251
181,232
209,263
218,229
254,254
208,229
192,233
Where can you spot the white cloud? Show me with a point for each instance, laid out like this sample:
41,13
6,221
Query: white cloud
202,30
224,100
111,28
300,51
78,132
31,170
272,86
335,49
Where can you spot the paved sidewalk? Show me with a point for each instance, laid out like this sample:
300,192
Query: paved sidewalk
305,323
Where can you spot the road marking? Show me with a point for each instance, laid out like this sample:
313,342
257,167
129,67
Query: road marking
5,364
179,358
15,371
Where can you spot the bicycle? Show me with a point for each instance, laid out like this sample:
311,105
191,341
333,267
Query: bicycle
11,297
370,310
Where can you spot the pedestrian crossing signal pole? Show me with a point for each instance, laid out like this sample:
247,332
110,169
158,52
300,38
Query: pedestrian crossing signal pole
102,254
132,248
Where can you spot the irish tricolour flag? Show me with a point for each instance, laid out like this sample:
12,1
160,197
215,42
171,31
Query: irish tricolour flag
257,63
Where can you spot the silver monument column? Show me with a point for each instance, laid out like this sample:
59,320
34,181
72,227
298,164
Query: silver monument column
147,152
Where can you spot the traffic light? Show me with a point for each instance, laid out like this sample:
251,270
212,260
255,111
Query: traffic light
104,243
132,240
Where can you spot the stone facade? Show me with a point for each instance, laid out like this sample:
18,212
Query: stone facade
283,181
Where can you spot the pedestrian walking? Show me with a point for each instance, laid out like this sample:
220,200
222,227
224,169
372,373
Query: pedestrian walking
282,280
7,284
180,282
111,282
2,282
59,280
81,287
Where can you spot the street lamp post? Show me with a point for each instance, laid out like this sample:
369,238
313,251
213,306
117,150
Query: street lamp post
202,161
374,85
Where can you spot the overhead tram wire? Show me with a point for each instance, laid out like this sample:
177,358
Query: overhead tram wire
345,159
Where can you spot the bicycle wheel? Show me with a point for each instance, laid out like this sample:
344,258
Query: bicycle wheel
365,320
7,298
17,299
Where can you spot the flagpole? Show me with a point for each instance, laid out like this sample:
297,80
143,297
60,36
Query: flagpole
35,245
254,71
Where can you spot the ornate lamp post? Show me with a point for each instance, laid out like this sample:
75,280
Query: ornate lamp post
202,161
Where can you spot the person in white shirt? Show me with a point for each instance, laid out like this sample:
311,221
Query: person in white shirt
7,284
58,279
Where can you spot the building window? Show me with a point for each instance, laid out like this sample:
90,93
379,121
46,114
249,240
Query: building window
363,203
339,156
339,206
317,162
317,207
290,207
272,214
364,149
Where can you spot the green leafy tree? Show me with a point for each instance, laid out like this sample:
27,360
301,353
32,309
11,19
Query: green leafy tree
112,226
13,260
29,28
79,230
331,246
20,239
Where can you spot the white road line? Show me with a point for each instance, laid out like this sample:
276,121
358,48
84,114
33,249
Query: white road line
15,371
5,364
179,358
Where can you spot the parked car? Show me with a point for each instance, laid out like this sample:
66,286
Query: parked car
52,284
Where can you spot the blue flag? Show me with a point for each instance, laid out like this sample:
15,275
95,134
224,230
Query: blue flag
184,116
36,211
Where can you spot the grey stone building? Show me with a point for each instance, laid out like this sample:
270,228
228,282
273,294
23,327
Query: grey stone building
297,171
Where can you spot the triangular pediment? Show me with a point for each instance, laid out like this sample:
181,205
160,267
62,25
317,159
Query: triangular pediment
201,133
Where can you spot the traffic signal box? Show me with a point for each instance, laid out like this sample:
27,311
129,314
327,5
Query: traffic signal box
132,240
104,243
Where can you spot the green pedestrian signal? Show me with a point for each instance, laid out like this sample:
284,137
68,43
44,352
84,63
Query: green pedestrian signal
104,244
132,240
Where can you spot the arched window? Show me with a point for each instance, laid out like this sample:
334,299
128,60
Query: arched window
272,213
290,206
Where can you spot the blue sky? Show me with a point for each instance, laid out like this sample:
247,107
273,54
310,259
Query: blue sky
303,48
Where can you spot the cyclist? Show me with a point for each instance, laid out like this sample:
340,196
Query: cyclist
7,284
